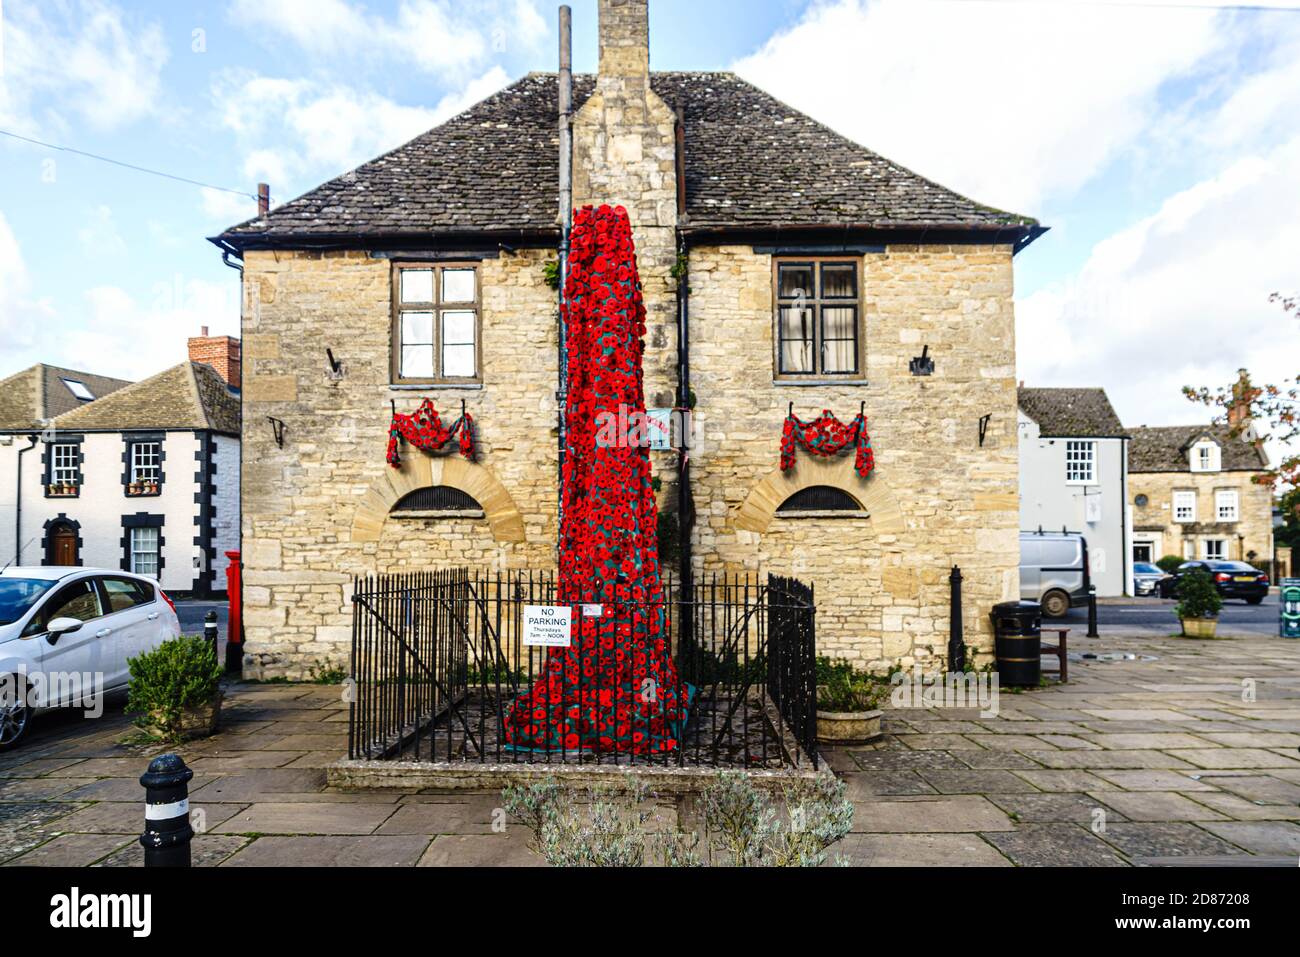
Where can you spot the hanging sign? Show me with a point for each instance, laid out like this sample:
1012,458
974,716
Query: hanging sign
546,626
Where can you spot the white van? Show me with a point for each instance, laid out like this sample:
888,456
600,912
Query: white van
1054,571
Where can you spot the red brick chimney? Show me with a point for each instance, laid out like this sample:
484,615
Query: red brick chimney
220,352
1243,395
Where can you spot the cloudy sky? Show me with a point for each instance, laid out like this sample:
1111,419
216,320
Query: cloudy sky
1159,141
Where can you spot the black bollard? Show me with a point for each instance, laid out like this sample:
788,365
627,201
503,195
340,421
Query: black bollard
167,832
210,631
1092,611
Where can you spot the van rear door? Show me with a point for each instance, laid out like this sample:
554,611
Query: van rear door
1031,558
1064,566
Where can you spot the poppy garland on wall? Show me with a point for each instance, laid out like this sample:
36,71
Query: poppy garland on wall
826,436
424,430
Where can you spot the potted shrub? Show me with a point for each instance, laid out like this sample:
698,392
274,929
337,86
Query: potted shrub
1198,605
848,703
175,690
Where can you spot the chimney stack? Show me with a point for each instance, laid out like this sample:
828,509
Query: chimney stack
1243,395
624,39
263,199
223,353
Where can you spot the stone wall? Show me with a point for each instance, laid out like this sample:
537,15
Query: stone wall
1252,533
937,497
307,506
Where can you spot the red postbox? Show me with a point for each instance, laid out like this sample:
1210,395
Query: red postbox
235,618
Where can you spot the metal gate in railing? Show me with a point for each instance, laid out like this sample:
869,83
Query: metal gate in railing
438,660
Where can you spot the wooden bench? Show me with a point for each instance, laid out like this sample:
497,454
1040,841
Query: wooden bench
1058,649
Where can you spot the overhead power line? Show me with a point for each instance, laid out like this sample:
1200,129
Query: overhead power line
125,165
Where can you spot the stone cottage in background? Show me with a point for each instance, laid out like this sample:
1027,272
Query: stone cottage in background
812,272
1195,495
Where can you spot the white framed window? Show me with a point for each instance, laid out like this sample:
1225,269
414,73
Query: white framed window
145,460
1205,457
1184,506
65,464
1214,549
1227,505
1080,462
144,551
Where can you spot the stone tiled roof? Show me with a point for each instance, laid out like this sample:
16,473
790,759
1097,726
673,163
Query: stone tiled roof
1068,413
752,163
38,393
187,396
1164,449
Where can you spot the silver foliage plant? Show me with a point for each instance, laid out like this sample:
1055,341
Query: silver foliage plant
743,826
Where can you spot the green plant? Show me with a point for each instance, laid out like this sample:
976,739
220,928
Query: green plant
840,687
551,273
1170,564
681,268
1197,596
177,675
325,673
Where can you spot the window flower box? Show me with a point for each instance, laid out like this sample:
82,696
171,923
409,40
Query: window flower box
61,490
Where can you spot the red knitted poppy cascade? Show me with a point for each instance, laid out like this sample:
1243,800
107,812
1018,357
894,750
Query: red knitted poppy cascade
615,688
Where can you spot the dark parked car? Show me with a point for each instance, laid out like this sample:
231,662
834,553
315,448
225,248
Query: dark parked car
1233,579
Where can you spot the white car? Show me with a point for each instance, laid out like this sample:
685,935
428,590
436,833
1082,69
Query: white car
66,634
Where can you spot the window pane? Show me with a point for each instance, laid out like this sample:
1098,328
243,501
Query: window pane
144,551
796,340
458,285
417,285
417,362
840,281
123,594
457,328
458,362
796,323
417,328
79,601
796,281
839,342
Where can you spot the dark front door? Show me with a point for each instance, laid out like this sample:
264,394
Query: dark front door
64,550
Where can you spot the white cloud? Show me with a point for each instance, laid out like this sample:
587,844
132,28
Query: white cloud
21,316
1178,298
98,234
106,329
1010,103
83,62
226,209
434,36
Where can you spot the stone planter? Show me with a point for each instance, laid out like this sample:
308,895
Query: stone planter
1200,627
200,721
848,727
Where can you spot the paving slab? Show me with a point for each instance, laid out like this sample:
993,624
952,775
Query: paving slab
1055,845
937,742
918,850
478,850
1153,780
861,785
476,817
1263,788
1241,809
72,850
1089,760
974,782
1145,742
330,851
38,789
930,815
1167,840
1066,742
1280,838
111,817
996,760
1235,758
1067,780
906,760
1062,808
251,785
267,818
1157,806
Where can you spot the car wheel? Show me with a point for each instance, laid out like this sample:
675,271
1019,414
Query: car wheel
1257,600
15,716
1056,604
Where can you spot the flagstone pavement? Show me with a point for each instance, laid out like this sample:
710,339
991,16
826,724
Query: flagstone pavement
1190,759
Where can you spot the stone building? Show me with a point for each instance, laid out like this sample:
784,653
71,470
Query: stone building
142,476
815,271
1194,495
1074,477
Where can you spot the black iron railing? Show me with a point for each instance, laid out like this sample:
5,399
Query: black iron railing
439,658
